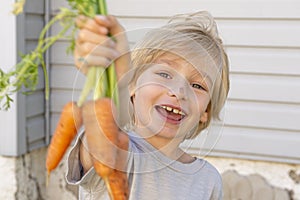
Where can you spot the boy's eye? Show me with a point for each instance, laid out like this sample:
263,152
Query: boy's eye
198,86
165,75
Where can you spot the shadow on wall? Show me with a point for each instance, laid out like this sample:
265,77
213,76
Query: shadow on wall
252,187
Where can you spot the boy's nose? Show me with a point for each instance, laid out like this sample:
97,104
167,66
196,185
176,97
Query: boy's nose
178,92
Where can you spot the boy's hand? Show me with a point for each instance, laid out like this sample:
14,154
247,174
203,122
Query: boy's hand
95,48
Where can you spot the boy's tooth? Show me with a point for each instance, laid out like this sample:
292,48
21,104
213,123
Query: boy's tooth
169,108
181,113
175,111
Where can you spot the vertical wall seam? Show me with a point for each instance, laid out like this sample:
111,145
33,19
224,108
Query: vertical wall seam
47,64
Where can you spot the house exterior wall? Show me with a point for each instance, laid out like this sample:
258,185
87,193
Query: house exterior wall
263,48
260,130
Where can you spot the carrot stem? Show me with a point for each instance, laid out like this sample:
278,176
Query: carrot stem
101,83
112,83
88,86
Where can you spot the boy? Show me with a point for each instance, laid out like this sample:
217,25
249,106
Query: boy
179,83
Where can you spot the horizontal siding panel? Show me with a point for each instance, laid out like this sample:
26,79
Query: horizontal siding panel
60,97
224,9
69,77
265,88
229,9
35,103
56,4
35,128
35,6
36,145
30,45
54,120
259,33
34,25
255,33
274,33
264,60
243,142
136,28
263,115
62,57
57,27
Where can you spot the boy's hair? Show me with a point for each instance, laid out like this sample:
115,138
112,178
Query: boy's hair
192,37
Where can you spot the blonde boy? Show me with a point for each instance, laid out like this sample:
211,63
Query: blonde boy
179,83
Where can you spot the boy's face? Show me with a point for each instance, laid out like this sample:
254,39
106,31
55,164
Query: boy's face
170,98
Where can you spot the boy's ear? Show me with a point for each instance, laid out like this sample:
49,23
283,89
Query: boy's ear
204,117
131,89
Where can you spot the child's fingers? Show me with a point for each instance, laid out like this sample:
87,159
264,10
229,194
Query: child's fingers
83,63
79,62
84,22
91,37
111,23
98,56
116,27
109,53
98,61
103,20
86,49
88,46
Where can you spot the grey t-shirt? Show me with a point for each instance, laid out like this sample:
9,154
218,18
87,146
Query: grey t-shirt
151,175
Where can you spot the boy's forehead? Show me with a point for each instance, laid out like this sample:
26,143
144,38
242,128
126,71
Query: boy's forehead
205,66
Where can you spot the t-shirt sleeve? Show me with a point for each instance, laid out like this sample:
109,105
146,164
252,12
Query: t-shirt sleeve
217,193
91,186
75,176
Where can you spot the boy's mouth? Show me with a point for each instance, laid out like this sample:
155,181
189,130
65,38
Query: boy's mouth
171,113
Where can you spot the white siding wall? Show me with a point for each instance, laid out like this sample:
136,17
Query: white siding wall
8,119
262,115
26,127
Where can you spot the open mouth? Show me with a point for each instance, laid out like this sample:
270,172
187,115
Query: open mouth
172,114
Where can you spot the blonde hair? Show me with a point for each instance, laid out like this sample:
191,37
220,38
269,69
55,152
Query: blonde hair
189,36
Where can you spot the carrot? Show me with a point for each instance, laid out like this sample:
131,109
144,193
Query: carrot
118,185
68,124
102,134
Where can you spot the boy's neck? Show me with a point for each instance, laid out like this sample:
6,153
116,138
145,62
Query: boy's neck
170,148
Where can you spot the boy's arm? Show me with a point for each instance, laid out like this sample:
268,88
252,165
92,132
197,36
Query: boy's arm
84,156
95,48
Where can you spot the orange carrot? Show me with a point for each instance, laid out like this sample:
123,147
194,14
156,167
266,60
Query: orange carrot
118,185
102,134
69,122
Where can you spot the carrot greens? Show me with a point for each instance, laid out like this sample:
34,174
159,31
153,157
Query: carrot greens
25,73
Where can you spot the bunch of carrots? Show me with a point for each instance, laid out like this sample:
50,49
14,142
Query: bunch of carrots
104,139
